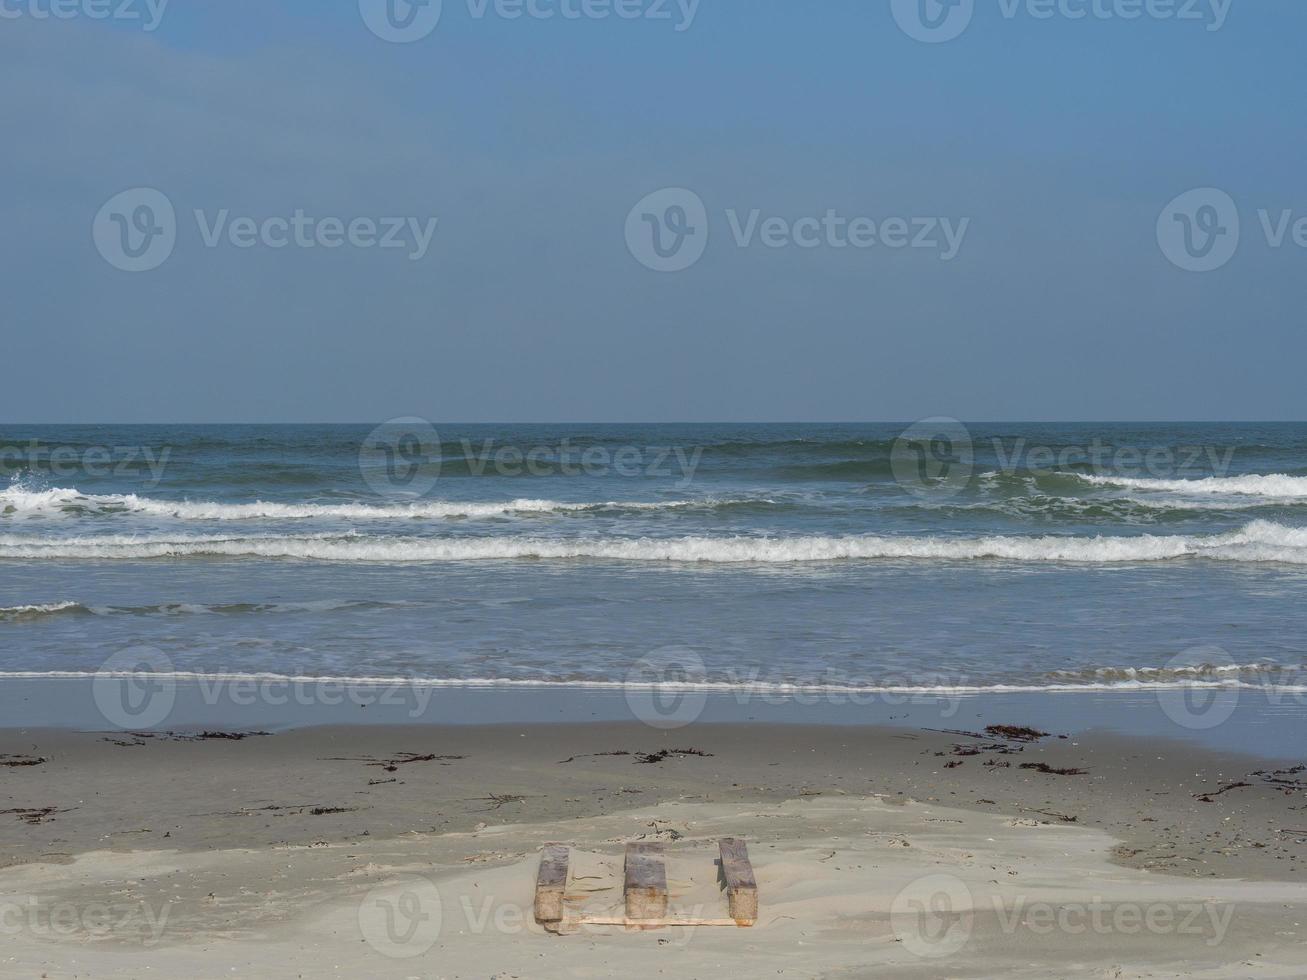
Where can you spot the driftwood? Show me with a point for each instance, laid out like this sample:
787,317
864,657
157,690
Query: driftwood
644,890
741,887
550,884
646,882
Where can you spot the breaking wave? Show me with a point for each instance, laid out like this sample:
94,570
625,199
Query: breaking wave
727,687
1260,485
19,501
10,614
1259,541
50,609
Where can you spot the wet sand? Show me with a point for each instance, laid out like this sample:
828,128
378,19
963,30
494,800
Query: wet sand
178,855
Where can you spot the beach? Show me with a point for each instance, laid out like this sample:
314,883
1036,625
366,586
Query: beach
878,852
305,701
655,490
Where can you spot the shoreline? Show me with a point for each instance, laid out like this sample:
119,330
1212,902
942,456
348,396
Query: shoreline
1089,781
1265,722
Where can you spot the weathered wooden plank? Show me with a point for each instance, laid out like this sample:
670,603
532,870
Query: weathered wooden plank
613,920
551,880
646,882
741,886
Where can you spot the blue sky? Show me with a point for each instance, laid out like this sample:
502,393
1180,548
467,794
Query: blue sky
1059,141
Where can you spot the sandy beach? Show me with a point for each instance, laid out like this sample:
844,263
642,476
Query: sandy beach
653,490
412,852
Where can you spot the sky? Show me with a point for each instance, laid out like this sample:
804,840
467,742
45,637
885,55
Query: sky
728,210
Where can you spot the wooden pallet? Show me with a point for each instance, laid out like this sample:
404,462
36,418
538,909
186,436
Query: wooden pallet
645,889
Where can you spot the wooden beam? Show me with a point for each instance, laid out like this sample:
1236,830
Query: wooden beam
613,920
741,886
646,882
550,883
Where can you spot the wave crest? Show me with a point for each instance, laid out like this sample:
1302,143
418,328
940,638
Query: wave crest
1278,485
781,688
19,501
38,610
1259,541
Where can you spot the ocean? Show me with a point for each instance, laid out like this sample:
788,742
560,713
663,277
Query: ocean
878,556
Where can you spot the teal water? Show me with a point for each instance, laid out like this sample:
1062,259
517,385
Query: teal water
986,556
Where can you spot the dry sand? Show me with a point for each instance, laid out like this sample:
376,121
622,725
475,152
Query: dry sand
411,852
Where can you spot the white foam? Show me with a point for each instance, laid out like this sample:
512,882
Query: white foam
1152,674
1262,485
1259,541
720,687
40,609
17,500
